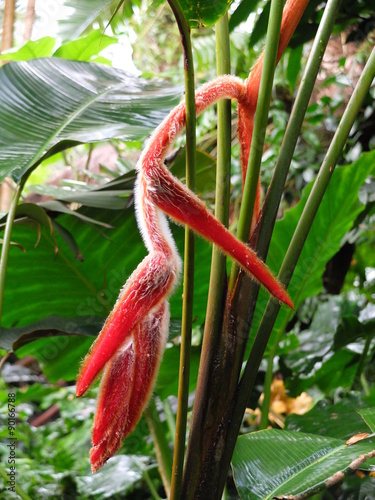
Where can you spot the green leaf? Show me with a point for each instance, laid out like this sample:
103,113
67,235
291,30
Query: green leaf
206,170
31,50
333,420
118,477
13,243
260,28
352,329
36,213
242,12
294,66
47,105
167,381
56,207
59,356
368,415
42,284
339,209
12,339
273,463
92,197
68,239
204,12
315,362
85,47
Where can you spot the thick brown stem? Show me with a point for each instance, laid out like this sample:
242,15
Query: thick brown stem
29,20
210,446
6,44
8,24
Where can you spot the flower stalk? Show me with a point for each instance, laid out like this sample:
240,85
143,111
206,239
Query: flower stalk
188,287
302,230
273,198
7,241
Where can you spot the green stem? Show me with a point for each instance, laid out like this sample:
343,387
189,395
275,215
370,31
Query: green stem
169,415
260,125
222,192
89,154
6,242
252,366
205,391
150,484
19,490
295,121
226,495
362,361
366,388
163,453
288,145
327,169
303,228
188,289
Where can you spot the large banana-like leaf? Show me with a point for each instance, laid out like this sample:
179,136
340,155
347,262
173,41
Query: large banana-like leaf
283,464
47,105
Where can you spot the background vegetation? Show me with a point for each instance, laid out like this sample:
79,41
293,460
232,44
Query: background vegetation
75,239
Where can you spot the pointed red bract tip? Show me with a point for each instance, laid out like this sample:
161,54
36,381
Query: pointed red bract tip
285,299
127,385
290,304
103,451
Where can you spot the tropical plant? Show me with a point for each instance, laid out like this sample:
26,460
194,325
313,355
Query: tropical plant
88,245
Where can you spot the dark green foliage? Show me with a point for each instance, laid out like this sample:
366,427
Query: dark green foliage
73,253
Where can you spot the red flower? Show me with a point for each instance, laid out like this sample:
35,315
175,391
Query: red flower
131,343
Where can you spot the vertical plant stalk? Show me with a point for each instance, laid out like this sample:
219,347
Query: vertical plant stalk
6,44
8,25
208,478
29,20
327,169
241,397
303,228
361,365
241,307
217,288
169,416
276,188
273,198
260,125
150,484
231,349
6,243
163,453
188,288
